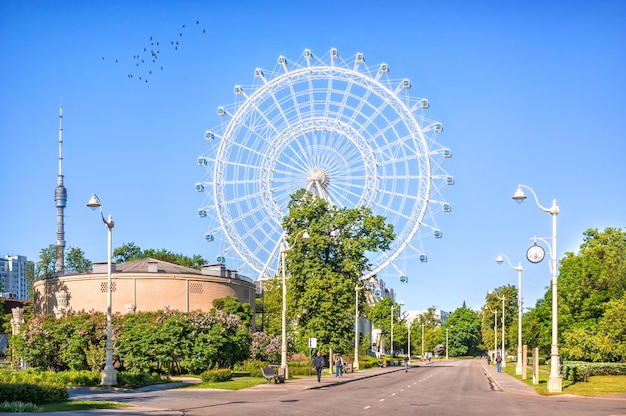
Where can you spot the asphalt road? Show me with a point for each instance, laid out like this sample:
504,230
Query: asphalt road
464,387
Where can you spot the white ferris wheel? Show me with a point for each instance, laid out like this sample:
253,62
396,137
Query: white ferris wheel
344,130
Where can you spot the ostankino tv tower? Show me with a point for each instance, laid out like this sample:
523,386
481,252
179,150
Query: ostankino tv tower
60,199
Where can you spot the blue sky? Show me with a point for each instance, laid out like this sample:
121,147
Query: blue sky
529,93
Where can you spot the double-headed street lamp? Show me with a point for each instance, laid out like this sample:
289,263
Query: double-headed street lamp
555,382
500,260
283,346
109,375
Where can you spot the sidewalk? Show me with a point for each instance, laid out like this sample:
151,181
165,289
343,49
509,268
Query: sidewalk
504,382
309,383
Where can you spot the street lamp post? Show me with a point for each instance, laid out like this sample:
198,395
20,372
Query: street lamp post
422,340
500,260
555,382
450,327
408,324
391,350
502,352
283,345
391,345
109,374
495,331
355,364
446,343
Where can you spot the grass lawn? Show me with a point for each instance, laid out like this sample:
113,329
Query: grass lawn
594,386
74,405
235,384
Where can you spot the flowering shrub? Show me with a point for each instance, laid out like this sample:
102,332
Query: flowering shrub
265,347
47,343
149,342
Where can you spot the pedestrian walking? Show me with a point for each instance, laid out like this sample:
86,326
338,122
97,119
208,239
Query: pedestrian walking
319,364
499,363
339,366
406,363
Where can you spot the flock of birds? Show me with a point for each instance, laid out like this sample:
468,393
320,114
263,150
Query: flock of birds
145,63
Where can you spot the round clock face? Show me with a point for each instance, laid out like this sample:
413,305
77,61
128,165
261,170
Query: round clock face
535,253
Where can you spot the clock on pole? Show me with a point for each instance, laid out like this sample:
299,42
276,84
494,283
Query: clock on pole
535,253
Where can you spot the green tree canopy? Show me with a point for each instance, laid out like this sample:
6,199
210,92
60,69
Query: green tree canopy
129,252
463,327
494,304
75,262
324,271
591,298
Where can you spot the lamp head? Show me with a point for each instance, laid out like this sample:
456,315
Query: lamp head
94,202
305,236
519,196
499,259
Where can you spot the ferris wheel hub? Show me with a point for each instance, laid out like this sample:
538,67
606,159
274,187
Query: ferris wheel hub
318,177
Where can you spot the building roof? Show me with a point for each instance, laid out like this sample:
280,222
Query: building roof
150,265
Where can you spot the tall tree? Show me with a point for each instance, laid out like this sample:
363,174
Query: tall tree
325,270
463,332
382,317
126,252
46,266
431,328
75,261
591,291
493,302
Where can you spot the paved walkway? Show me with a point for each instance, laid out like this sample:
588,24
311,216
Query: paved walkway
501,381
504,382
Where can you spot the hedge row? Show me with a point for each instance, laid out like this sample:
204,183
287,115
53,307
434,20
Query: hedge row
65,378
127,379
32,393
579,371
216,376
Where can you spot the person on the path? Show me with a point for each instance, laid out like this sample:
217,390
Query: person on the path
499,363
318,363
406,363
339,366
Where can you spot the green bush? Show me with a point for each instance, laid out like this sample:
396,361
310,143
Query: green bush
216,376
18,407
32,393
300,368
579,371
65,378
79,378
134,380
252,367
